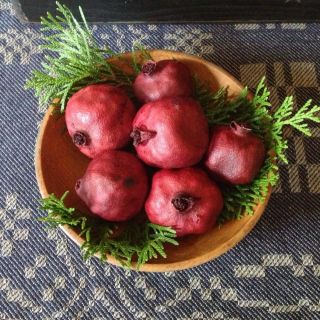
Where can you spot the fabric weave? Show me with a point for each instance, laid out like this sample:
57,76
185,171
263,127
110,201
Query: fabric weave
272,274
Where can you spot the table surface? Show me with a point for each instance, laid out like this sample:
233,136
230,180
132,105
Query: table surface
273,273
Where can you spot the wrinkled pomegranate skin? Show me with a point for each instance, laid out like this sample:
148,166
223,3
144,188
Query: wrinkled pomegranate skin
234,157
166,184
181,129
104,113
114,186
171,78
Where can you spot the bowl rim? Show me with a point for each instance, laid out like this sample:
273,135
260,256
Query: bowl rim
155,267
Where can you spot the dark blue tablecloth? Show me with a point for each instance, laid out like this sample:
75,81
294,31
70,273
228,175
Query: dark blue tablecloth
272,274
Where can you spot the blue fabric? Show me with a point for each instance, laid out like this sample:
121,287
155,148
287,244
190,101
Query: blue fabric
272,274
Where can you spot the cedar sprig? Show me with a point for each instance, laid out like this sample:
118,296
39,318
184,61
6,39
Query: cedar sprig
138,241
139,52
256,113
285,116
141,242
72,61
58,213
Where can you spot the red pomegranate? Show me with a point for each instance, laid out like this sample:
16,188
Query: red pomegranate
99,118
235,154
170,133
163,79
184,199
114,186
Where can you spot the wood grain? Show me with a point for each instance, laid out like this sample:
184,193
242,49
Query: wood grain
59,164
183,11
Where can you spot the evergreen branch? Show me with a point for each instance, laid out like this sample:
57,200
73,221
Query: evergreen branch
138,51
240,200
137,241
213,104
261,97
285,116
58,213
243,199
74,61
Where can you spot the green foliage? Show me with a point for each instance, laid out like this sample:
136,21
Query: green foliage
269,126
139,241
285,116
213,103
220,110
138,51
58,213
75,60
242,199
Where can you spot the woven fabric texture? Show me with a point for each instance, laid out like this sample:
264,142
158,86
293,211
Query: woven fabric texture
273,273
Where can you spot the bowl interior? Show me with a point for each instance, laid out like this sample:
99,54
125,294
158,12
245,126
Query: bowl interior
59,164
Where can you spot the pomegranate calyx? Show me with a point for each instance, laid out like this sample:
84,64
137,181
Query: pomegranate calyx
78,183
240,129
183,202
80,139
141,136
149,67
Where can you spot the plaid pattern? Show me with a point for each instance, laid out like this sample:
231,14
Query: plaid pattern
272,274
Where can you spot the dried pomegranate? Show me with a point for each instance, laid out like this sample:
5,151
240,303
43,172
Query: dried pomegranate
235,154
163,79
114,186
170,133
184,199
99,118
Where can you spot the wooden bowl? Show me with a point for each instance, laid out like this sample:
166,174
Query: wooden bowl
59,164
